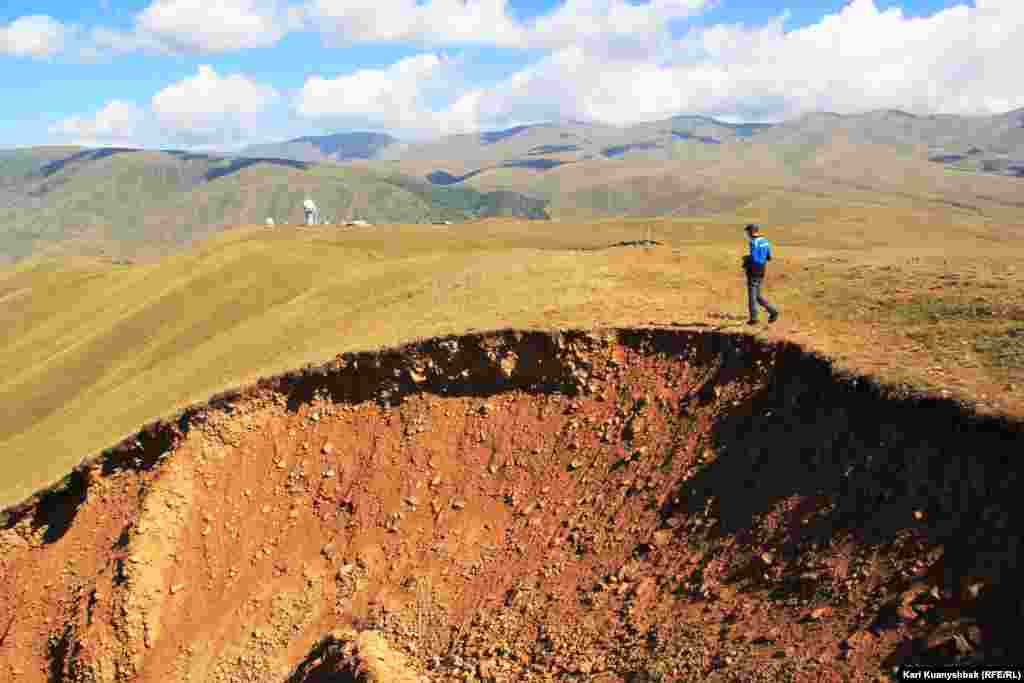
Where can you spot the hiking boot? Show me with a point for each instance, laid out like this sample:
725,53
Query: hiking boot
773,316
752,321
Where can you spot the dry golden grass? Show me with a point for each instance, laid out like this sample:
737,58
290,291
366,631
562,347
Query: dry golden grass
90,351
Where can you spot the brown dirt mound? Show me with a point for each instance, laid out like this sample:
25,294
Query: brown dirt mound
622,505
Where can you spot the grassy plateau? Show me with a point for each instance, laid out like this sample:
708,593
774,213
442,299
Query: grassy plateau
90,349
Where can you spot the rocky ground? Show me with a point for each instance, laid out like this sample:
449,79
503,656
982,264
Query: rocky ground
623,505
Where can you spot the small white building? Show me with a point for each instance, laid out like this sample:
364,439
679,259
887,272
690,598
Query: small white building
312,212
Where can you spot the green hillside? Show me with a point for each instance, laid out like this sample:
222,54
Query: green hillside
140,204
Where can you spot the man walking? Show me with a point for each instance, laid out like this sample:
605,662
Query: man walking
754,265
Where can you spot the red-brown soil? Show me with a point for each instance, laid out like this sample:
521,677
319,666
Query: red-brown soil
623,505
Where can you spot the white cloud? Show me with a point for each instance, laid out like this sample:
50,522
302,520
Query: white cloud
118,122
163,27
610,26
619,27
958,61
205,26
435,22
615,25
961,60
204,110
209,107
397,97
36,36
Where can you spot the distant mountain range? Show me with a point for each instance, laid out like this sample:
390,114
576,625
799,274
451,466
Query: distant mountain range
993,144
134,203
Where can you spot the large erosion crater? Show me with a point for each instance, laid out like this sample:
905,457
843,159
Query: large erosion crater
611,505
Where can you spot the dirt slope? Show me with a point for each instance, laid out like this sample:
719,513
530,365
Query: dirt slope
616,505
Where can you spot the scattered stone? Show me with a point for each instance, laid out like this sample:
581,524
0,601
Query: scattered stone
662,537
176,588
819,613
328,448
858,640
458,504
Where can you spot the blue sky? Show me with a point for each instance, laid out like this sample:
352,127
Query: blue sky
168,73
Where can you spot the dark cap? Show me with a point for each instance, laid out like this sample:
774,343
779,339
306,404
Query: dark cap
752,228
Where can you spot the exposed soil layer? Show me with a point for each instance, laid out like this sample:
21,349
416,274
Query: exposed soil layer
615,505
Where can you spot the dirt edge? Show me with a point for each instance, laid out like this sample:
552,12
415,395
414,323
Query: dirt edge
393,377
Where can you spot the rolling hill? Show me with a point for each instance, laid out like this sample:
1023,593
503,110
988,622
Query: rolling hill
127,203
689,165
991,144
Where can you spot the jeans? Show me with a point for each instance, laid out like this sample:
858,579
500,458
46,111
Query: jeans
754,297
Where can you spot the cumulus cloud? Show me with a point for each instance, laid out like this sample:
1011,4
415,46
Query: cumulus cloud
613,24
209,107
199,26
117,122
435,22
163,27
397,97
960,60
36,36
204,26
611,27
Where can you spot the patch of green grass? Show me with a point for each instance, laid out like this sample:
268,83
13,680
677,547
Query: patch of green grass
936,310
1004,351
619,464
